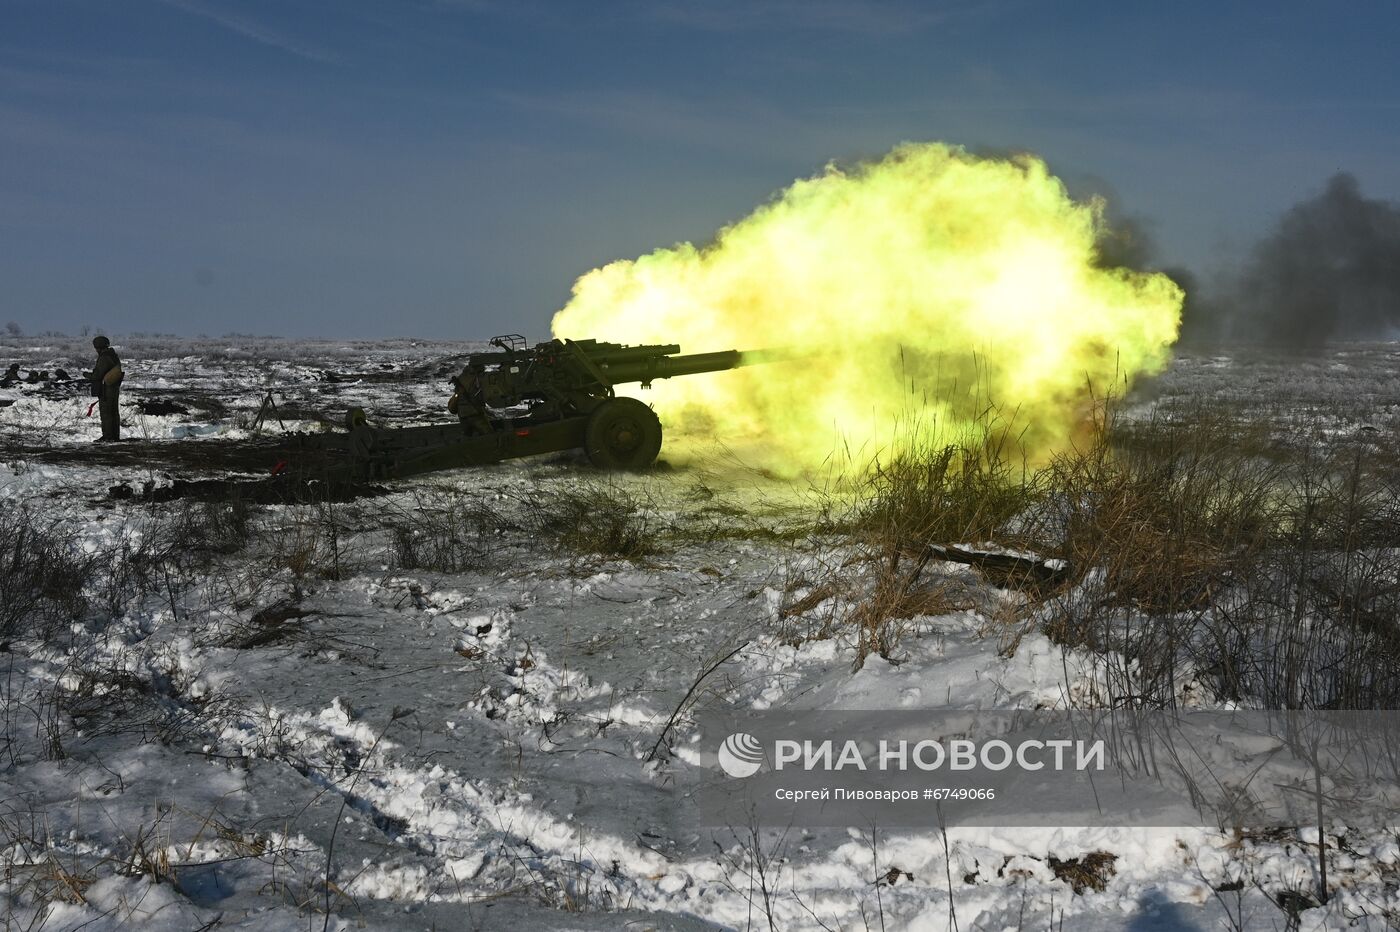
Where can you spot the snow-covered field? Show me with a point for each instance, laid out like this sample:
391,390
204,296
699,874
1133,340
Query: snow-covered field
434,709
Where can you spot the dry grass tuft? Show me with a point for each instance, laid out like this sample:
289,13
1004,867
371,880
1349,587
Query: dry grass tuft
1186,549
602,519
447,532
42,575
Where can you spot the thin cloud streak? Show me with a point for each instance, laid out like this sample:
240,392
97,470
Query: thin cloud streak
251,30
860,17
872,17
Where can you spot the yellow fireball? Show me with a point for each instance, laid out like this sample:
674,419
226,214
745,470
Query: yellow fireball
929,286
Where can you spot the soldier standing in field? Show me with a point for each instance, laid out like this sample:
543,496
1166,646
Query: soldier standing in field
107,378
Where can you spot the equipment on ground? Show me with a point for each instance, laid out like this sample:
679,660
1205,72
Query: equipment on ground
522,401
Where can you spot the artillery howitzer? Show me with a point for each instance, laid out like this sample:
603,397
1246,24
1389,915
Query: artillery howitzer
522,401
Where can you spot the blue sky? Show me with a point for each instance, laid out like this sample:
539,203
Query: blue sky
447,168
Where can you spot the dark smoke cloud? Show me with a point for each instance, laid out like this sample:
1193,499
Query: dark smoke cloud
1125,242
1330,271
1203,314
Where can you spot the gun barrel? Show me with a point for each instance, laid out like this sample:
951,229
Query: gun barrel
666,367
762,357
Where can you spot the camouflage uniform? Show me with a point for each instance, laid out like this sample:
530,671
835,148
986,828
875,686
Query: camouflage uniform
470,401
107,395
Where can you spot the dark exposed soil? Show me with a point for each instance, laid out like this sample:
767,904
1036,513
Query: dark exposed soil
160,406
256,456
275,490
270,470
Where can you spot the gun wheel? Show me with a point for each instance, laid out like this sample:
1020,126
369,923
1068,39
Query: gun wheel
622,433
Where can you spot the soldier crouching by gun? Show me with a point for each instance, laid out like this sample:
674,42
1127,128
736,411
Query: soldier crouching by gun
468,401
106,379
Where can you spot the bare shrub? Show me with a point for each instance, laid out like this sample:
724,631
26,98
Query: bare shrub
43,575
44,866
1200,550
1318,625
896,597
1195,549
450,532
215,528
873,597
123,573
598,518
1155,532
165,546
309,542
159,701
966,492
1162,524
33,865
928,494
